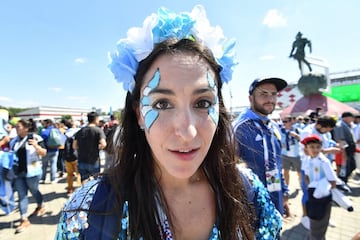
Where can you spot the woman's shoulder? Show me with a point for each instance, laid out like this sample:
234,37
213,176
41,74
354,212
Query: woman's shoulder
247,173
73,217
269,220
14,140
83,196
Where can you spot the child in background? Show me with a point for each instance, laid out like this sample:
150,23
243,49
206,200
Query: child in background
318,167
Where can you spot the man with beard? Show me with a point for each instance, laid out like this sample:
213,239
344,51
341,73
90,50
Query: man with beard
259,139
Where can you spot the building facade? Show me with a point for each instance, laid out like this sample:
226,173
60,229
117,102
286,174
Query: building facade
54,113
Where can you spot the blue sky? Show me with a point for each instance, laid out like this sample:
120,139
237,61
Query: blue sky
55,53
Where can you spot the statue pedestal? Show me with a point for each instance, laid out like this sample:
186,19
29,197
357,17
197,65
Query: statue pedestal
312,83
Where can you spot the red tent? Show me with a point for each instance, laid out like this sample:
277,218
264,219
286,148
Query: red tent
305,104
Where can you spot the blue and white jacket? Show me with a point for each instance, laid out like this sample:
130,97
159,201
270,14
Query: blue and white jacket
256,141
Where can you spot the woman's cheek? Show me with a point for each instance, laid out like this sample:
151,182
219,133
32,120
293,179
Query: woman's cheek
147,111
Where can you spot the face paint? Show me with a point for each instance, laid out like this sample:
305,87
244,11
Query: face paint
149,114
213,110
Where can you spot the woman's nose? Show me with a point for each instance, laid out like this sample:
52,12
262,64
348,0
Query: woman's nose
185,125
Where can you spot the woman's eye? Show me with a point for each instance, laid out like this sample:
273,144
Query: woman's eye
161,105
203,104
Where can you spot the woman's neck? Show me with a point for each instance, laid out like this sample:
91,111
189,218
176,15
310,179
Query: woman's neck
168,182
22,135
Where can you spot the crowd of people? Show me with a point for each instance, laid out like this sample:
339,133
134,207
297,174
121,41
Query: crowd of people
27,143
336,153
178,166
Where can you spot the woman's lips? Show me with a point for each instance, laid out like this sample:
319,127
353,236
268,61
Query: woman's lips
185,154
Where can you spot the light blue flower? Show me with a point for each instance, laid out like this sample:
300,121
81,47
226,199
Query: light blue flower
123,66
172,25
228,61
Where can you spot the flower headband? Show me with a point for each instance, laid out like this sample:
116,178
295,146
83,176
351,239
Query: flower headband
165,25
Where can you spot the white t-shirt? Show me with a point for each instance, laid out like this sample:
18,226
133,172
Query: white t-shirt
310,129
318,168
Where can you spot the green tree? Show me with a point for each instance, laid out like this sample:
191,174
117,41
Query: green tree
66,117
13,111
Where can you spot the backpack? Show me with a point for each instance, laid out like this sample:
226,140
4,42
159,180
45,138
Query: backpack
55,139
69,152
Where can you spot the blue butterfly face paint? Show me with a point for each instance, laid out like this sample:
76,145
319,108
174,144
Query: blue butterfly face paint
149,114
213,110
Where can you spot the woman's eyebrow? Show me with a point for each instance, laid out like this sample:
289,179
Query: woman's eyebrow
171,92
161,91
204,90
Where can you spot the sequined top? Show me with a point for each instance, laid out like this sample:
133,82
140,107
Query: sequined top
73,224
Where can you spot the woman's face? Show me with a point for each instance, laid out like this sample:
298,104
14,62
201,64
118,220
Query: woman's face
21,130
179,112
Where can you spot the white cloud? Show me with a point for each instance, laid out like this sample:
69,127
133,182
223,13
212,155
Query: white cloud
266,57
55,89
80,60
5,99
274,19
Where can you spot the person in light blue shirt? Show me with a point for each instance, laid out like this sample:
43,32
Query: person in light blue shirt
290,149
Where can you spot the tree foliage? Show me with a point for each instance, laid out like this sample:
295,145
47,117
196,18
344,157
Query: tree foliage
66,117
13,111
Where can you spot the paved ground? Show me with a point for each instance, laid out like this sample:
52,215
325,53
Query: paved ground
347,224
43,228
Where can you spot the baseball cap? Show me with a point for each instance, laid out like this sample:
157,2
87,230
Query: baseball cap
311,138
278,82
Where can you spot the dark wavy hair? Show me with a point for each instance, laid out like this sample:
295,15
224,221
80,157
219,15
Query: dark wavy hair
133,175
29,124
326,121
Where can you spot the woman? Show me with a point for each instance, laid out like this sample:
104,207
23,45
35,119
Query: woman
176,176
29,148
